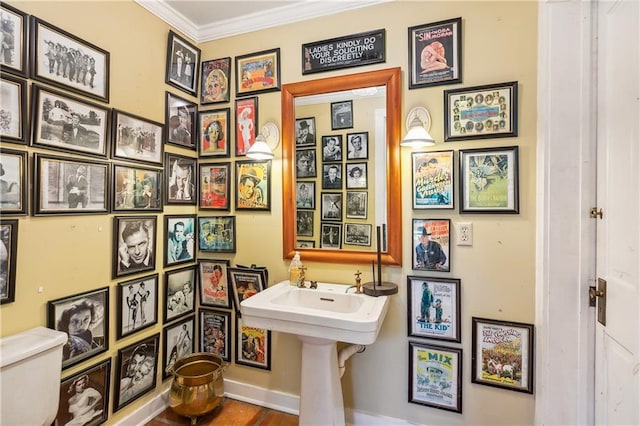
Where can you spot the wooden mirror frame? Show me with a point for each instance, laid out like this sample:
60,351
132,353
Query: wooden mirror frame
387,77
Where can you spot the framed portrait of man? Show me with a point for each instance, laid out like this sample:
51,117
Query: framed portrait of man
181,179
134,244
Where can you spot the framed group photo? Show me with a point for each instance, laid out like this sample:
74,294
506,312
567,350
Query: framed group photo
136,371
245,283
180,239
217,234
258,72
179,341
13,182
253,187
215,332
183,64
431,245
434,308
14,28
180,119
214,284
181,179
136,138
134,244
8,251
253,346
214,130
215,82
215,186
246,119
136,189
179,293
137,305
13,109
433,185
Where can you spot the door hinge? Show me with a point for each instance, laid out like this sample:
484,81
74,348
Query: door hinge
595,213
599,293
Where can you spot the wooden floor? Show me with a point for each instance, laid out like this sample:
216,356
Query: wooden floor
230,413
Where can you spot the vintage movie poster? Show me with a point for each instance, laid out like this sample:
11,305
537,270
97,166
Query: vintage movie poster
490,177
433,179
214,333
431,244
434,311
435,376
252,346
435,53
213,283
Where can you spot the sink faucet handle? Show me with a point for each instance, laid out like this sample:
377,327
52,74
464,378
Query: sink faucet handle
358,281
300,282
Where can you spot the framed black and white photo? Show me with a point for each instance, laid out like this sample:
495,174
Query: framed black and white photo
217,234
341,115
179,341
331,206
245,283
180,179
215,332
179,293
357,204
134,244
14,40
253,185
304,223
253,346
136,189
358,146
332,176
331,235
180,239
431,245
357,234
69,186
356,175
305,244
433,182
332,148
215,186
68,124
66,61
433,308
137,305
305,132
216,81
136,371
181,124
13,182
183,64
136,138
258,72
306,195
13,110
9,250
214,133
85,319
305,163
213,282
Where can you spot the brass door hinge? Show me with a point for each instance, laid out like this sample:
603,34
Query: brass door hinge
599,293
595,213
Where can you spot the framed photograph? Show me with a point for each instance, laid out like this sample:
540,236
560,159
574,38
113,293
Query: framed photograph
246,113
432,180
13,182
180,121
183,64
136,138
134,244
136,371
435,376
180,243
214,284
357,203
245,283
68,124
14,40
341,115
305,163
215,133
179,293
306,195
216,78
64,60
305,131
179,341
181,184
332,176
431,242
502,354
489,180
68,186
136,189
332,148
13,110
215,332
85,319
434,308
304,223
358,146
217,234
481,112
8,251
84,397
258,72
331,235
357,234
305,244
331,203
253,187
137,305
253,346
356,175
435,53
215,186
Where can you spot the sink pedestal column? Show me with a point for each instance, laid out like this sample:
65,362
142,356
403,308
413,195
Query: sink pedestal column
320,388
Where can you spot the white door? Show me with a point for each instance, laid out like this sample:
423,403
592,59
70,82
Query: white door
617,369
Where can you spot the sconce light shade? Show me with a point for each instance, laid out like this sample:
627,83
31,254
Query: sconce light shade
418,124
266,142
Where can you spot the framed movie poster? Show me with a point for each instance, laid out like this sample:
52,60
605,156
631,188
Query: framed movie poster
216,79
215,133
180,118
137,305
179,341
253,346
258,72
215,186
432,180
14,40
434,308
214,283
8,251
246,113
136,189
179,293
215,332
180,239
13,110
253,187
217,234
13,182
183,64
134,244
136,138
136,371
431,245
245,283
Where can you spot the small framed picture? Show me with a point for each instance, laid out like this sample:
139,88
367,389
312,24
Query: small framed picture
253,346
305,244
253,187
356,175
181,237
332,148
215,332
305,163
245,283
331,235
183,64
497,104
85,319
68,186
358,146
503,354
136,138
14,29
305,132
134,244
434,308
432,179
137,305
181,181
431,242
217,234
304,223
246,113
84,397
179,293
489,180
258,72
357,203
13,182
306,195
13,106
331,206
136,371
357,234
136,189
341,115
435,53
8,247
214,284
215,133
215,186
332,176
435,376
179,341
215,82
180,121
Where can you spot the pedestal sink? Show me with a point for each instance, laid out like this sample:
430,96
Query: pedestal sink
320,318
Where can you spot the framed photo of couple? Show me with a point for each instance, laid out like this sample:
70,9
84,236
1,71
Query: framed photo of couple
179,293
214,284
183,64
137,305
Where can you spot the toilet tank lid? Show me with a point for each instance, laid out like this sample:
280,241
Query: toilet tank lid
28,343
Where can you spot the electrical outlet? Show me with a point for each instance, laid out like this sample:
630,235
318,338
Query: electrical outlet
464,234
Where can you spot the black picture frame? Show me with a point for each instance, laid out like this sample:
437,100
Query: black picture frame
438,295
136,138
431,245
213,283
356,175
258,72
137,305
179,293
357,205
183,64
141,359
215,186
331,236
304,223
253,185
306,163
16,31
181,121
181,235
14,182
358,146
331,206
134,245
8,246
246,282
305,132
357,234
246,128
433,180
253,346
136,189
214,131
332,148
179,340
215,332
92,82
88,312
305,244
329,179
215,85
217,234
341,115
13,106
305,195
181,184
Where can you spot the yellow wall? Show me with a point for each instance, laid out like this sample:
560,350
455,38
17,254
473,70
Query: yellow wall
68,255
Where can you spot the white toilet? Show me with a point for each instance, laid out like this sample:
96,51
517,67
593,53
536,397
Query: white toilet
30,367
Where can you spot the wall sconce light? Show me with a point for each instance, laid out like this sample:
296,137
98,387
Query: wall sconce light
418,124
266,142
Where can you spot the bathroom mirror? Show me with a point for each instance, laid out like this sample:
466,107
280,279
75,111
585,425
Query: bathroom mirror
379,117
